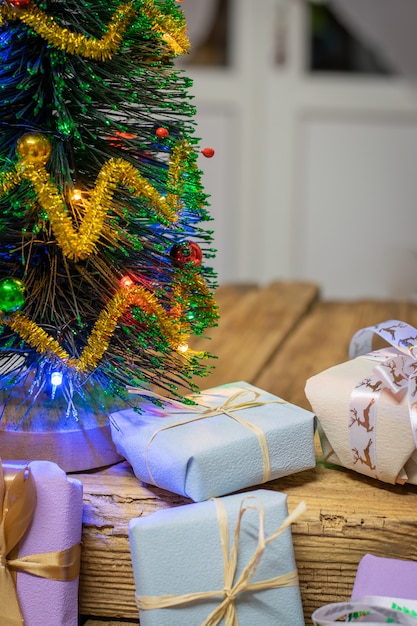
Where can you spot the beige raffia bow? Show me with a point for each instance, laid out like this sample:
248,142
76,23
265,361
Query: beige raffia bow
229,407
227,609
17,506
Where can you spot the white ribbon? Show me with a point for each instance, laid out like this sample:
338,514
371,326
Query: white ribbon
398,374
372,614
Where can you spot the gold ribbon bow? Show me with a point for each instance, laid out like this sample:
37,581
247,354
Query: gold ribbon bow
229,406
17,506
227,609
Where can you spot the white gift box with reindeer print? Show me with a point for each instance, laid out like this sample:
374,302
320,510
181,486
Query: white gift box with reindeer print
234,436
367,406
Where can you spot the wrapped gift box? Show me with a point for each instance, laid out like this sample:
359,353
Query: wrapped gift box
389,578
206,451
384,587
55,526
179,551
366,406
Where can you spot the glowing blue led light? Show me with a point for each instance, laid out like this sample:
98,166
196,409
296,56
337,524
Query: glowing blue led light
56,378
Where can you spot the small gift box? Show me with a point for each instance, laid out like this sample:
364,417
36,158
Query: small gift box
235,436
40,534
384,589
389,578
367,407
225,559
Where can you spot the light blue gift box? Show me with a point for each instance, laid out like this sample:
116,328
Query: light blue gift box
179,551
203,451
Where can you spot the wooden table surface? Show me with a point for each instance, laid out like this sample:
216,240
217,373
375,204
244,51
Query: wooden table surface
274,337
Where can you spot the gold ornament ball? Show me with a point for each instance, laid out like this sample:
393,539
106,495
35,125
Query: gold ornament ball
34,148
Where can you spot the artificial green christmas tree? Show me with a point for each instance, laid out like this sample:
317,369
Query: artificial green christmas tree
103,242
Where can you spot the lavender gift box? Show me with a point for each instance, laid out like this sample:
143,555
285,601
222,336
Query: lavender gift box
181,551
237,436
391,578
55,527
384,588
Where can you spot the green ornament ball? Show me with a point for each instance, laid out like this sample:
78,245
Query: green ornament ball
12,295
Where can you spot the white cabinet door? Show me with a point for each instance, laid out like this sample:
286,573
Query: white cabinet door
313,177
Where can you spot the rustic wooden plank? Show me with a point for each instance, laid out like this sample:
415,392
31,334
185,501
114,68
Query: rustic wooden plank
111,498
95,622
347,516
254,322
321,340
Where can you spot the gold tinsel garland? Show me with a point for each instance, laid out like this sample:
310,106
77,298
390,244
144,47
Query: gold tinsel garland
99,339
172,32
77,245
33,151
180,154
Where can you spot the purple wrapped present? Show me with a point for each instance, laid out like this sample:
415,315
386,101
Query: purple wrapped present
384,591
392,578
40,534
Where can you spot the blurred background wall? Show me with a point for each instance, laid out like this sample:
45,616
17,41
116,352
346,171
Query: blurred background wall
311,108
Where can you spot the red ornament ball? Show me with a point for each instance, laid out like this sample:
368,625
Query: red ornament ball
162,132
207,152
186,252
19,3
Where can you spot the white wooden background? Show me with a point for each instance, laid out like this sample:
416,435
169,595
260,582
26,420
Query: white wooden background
315,176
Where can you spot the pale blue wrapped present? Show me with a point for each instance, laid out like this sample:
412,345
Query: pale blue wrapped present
185,573
237,436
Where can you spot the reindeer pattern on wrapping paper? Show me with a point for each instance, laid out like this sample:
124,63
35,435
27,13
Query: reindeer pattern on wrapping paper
363,418
392,330
375,386
395,374
412,392
365,422
366,459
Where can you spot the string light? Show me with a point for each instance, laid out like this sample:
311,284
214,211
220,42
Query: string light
56,381
78,244
141,318
56,378
76,195
126,282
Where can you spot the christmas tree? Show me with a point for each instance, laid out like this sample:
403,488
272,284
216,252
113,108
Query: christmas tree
102,210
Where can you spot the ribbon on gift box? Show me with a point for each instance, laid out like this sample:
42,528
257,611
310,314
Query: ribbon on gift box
234,403
17,506
231,589
373,614
397,373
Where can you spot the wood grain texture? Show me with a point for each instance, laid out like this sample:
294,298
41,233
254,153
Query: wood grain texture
321,340
99,622
347,516
254,323
111,498
274,337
